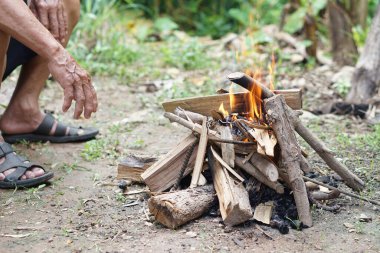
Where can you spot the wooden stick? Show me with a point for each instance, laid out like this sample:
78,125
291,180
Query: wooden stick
253,171
265,166
233,198
291,156
200,155
177,208
342,191
225,165
228,151
212,135
350,179
194,117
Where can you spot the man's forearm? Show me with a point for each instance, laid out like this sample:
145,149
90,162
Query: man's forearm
19,22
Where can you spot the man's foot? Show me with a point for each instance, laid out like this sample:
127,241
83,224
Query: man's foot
52,130
16,171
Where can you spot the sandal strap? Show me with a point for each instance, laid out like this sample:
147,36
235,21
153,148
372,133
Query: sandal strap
20,171
46,125
12,161
60,130
5,148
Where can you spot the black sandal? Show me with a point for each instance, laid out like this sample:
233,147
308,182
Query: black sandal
21,165
62,133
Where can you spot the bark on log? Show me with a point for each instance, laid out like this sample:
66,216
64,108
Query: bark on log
350,178
233,198
177,208
291,155
343,46
366,79
253,171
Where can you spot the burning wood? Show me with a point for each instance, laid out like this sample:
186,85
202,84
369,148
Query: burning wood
252,131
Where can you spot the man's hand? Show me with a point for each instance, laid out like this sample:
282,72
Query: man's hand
52,15
76,84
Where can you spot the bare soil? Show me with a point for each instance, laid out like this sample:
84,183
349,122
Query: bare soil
80,211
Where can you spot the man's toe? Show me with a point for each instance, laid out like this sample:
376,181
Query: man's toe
2,177
37,171
29,174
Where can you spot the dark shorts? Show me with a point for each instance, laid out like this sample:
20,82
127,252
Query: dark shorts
17,55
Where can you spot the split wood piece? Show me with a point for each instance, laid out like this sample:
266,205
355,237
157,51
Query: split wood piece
205,104
265,166
212,135
225,165
233,198
132,167
177,208
202,147
265,141
253,171
188,115
228,150
291,155
263,212
163,174
350,178
342,191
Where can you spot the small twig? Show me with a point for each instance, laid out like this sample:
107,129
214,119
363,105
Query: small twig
231,141
254,125
263,231
136,192
249,156
342,191
225,165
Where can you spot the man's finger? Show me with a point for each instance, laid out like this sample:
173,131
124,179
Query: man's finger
79,100
68,97
54,23
91,100
42,9
61,24
33,9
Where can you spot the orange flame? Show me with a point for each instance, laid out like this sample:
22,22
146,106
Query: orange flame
232,98
222,110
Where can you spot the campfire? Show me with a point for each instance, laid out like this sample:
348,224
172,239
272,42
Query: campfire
243,152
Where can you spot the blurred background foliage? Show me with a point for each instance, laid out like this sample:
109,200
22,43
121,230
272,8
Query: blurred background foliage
113,34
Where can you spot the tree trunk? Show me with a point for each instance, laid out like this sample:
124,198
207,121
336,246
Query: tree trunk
343,46
366,78
359,12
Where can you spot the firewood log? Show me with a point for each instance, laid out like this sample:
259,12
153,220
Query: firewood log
265,166
177,208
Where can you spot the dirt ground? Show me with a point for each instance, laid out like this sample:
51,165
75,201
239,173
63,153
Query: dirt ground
81,210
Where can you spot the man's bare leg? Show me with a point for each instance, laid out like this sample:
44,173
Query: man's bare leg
23,114
34,172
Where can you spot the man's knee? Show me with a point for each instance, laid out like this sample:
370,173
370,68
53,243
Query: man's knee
72,8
